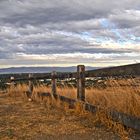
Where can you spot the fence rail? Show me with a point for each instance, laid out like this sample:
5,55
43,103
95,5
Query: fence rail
127,120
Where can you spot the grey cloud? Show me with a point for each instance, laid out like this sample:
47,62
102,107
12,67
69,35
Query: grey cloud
5,55
54,26
42,12
136,31
126,18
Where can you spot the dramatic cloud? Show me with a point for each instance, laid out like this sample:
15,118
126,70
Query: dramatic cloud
54,32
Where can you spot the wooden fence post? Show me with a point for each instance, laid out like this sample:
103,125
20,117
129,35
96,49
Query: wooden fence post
81,82
12,84
30,91
12,80
53,83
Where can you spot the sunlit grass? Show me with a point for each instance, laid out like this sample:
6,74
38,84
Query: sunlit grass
121,95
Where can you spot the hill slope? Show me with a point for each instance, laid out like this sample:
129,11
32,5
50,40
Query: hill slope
132,69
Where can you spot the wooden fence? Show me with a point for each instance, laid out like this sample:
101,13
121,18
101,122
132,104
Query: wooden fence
125,119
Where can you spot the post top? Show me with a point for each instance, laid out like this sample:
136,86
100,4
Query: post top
81,68
53,73
12,78
80,65
30,75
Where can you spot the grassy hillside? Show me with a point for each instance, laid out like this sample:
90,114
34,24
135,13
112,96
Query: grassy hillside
130,70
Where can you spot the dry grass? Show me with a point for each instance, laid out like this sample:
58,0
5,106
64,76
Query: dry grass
23,120
120,95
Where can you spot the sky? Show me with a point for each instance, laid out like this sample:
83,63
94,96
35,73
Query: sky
96,33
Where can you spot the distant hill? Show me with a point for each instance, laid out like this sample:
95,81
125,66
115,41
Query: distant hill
40,69
132,69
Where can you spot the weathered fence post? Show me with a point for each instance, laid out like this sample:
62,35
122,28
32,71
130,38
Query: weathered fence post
12,84
30,91
53,83
81,82
12,80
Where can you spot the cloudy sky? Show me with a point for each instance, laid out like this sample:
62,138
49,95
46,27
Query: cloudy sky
69,32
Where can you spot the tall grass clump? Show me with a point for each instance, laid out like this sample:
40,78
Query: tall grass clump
120,95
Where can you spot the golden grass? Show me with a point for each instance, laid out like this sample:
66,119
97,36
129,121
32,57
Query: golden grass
23,120
121,95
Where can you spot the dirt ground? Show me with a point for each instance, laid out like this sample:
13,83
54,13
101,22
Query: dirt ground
23,120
